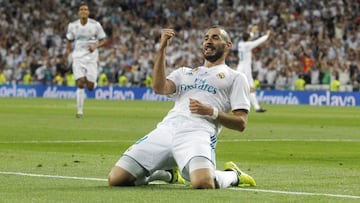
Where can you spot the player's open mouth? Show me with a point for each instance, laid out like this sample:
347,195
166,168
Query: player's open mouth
209,50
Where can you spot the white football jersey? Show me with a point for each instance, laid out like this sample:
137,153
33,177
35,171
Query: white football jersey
218,86
245,53
83,36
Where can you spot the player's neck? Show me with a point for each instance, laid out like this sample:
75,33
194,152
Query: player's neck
209,64
83,21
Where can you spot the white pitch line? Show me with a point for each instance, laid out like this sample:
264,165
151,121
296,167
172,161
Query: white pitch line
296,193
51,176
232,188
291,140
232,140
65,141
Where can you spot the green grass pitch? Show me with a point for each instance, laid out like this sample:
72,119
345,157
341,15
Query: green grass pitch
295,153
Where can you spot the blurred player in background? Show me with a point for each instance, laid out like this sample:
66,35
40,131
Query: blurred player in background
245,61
187,136
88,36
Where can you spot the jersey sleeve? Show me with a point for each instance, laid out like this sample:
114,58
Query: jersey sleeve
240,93
175,76
101,32
69,32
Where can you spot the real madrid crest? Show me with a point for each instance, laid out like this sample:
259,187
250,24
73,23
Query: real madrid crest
220,75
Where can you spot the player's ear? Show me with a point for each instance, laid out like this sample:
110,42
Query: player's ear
228,48
229,45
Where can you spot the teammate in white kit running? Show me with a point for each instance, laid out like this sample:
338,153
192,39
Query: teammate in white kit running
245,61
88,36
186,138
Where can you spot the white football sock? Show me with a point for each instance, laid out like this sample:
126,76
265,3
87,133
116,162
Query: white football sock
254,101
80,97
160,175
226,179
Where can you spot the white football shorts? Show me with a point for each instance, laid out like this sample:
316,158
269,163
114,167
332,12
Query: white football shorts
250,80
166,147
85,68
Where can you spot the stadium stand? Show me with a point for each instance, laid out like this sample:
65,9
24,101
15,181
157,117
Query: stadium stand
314,38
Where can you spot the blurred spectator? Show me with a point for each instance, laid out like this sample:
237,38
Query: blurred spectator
3,80
49,76
42,74
281,81
103,79
58,79
356,80
272,73
325,72
70,79
315,74
300,83
27,79
335,83
123,80
343,73
148,81
137,75
18,73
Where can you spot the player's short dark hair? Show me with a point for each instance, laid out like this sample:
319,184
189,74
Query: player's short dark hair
246,36
82,3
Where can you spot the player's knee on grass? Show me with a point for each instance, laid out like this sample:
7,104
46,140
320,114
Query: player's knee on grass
120,177
127,172
201,173
202,179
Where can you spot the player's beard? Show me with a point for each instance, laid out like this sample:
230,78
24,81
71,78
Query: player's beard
218,54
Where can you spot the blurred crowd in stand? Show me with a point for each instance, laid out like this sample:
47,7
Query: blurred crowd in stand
313,42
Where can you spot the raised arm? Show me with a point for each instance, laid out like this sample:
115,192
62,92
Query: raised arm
160,84
260,40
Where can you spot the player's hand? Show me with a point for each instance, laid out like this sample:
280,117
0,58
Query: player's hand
92,47
166,35
199,108
255,29
268,32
